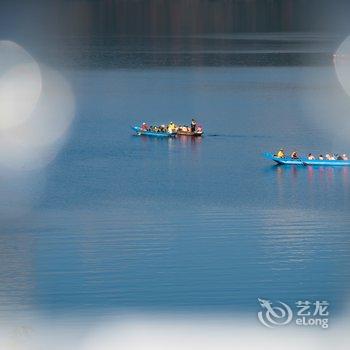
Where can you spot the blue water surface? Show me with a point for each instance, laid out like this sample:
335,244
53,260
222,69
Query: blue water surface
205,224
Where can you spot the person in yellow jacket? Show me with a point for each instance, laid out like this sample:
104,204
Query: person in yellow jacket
281,154
172,127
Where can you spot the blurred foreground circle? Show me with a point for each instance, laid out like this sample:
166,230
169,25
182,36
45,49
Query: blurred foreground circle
20,85
342,64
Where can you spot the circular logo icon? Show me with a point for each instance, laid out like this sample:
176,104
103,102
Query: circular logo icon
272,316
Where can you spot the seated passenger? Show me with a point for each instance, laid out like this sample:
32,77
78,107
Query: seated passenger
328,156
294,155
193,125
310,156
171,127
280,153
184,128
320,157
345,157
144,127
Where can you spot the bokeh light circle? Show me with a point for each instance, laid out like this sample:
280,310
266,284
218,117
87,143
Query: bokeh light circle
20,84
36,110
342,64
37,107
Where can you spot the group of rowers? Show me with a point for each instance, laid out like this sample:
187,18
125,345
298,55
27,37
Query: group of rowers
172,127
310,156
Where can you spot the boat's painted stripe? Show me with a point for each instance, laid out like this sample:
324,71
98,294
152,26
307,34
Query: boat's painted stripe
150,133
328,162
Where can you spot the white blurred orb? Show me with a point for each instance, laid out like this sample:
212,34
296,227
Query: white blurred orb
342,64
18,152
20,85
53,114
35,143
37,107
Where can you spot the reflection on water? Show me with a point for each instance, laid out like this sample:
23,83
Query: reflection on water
193,142
218,50
321,176
316,184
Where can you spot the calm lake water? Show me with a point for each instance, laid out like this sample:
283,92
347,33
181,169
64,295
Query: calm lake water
128,222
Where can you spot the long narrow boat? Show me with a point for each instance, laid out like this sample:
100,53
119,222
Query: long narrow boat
305,161
139,131
189,133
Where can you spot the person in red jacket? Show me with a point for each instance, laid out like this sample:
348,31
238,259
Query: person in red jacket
294,155
144,127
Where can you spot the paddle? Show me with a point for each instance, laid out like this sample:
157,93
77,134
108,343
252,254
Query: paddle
304,163
298,158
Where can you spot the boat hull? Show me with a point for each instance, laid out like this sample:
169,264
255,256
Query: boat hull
305,161
317,162
190,133
139,131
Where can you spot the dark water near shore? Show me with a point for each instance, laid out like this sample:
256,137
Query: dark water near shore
185,224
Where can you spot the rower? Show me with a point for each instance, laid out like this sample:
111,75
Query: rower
330,156
294,155
193,125
171,128
310,156
144,127
280,153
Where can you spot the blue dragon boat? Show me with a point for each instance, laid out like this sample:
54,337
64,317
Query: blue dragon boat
306,161
139,131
